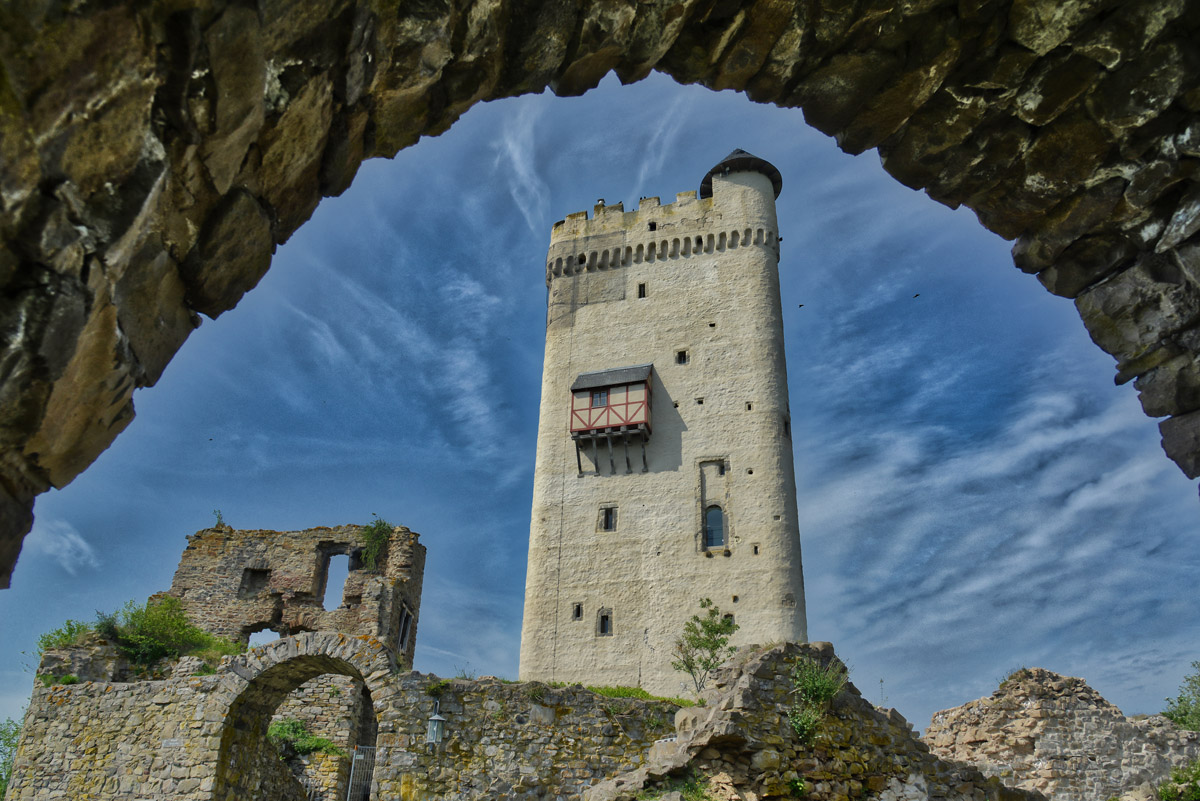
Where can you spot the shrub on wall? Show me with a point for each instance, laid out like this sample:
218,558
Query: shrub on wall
1184,784
293,734
1185,708
10,732
158,629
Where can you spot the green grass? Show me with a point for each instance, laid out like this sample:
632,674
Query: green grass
636,692
691,787
160,629
438,687
377,533
815,686
49,680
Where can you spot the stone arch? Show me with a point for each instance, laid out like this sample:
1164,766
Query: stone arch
254,685
156,189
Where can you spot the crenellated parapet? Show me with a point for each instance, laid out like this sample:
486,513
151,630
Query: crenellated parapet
613,238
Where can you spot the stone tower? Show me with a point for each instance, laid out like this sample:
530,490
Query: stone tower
664,462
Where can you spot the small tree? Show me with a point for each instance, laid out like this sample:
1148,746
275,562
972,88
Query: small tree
1185,709
10,732
704,644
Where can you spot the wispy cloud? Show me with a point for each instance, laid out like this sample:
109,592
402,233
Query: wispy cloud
515,155
668,124
59,541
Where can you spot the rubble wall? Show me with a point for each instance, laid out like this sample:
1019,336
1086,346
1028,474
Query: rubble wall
1055,734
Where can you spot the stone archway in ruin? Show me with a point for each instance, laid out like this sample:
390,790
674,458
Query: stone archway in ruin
152,156
247,765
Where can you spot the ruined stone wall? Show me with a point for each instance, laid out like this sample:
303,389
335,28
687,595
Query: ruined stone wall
153,154
1053,733
742,747
338,709
233,583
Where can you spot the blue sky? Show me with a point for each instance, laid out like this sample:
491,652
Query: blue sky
975,495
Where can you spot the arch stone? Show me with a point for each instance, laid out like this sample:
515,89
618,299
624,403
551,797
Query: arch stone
253,685
153,155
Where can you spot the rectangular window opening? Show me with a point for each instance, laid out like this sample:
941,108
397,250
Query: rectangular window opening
681,357
608,518
653,226
699,401
749,406
599,397
604,626
577,612
641,290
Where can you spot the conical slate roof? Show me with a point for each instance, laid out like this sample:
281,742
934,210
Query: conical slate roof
741,161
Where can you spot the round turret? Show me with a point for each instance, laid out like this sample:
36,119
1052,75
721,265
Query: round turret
741,161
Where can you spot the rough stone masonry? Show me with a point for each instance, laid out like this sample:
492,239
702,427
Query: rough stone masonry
153,155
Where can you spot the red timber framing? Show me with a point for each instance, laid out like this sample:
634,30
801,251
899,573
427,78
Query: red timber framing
612,406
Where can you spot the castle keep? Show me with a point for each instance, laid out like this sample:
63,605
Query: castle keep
664,462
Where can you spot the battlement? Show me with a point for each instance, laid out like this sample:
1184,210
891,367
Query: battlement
731,210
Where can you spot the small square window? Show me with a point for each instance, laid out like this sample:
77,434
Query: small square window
699,401
608,518
641,290
681,357
653,226
599,397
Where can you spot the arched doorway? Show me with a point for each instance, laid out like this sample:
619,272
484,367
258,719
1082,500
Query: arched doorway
302,679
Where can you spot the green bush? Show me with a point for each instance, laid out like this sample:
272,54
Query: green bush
704,644
158,629
64,636
377,533
295,734
1184,784
1185,708
10,732
815,686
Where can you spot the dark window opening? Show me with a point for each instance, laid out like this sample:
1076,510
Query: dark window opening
582,258
750,471
676,404
712,325
681,357
653,226
756,550
699,401
787,427
749,406
735,599
604,627
405,625
714,527
641,290
599,397
721,469
253,582
577,612
700,246
729,617
608,518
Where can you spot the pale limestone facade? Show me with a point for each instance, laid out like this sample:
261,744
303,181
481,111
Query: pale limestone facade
692,289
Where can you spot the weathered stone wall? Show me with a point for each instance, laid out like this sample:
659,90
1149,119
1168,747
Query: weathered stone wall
153,155
742,747
1053,733
234,583
338,709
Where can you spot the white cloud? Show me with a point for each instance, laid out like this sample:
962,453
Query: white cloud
515,154
58,540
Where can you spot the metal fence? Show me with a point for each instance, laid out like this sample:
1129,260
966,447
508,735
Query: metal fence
361,768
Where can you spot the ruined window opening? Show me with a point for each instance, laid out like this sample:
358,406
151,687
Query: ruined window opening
405,624
604,627
653,226
577,612
681,357
261,637
714,527
254,581
599,397
337,570
641,290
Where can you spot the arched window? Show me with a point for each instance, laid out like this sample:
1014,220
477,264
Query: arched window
714,527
